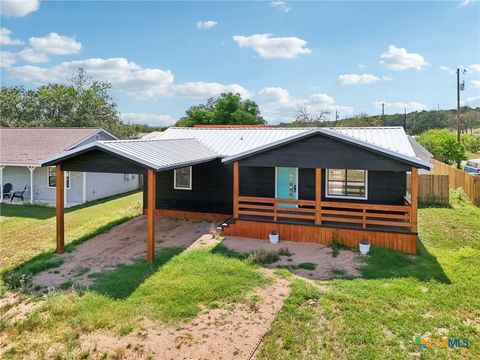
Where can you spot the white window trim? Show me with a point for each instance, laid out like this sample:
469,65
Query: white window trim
175,180
347,197
66,174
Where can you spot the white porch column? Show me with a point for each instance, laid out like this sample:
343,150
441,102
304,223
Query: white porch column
32,169
84,193
1,182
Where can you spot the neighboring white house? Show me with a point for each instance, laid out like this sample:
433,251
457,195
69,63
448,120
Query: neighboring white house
23,149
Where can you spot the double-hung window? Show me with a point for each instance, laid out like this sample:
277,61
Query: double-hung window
182,178
346,183
52,177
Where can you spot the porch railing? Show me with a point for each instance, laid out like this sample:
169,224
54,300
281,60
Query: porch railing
327,212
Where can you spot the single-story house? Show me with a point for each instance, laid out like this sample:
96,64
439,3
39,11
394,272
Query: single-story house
23,149
318,185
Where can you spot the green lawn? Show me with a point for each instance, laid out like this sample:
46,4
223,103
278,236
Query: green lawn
175,288
27,231
435,294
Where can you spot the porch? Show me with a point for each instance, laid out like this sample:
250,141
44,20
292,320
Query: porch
326,220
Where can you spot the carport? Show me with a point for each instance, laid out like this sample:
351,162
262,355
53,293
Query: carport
143,157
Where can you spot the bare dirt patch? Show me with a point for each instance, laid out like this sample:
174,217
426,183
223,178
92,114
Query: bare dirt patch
346,264
121,245
231,331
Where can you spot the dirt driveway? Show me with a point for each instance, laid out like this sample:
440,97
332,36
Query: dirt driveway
120,245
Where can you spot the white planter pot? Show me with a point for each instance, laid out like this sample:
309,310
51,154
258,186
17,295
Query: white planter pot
273,238
364,248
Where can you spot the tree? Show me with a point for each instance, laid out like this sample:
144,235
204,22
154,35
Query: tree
227,109
443,143
82,102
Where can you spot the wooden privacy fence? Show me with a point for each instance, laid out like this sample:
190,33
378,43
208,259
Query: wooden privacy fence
432,189
459,179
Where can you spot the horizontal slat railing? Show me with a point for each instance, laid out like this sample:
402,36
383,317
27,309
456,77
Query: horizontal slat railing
330,212
272,208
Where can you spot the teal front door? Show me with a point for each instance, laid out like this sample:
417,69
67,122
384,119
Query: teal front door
286,184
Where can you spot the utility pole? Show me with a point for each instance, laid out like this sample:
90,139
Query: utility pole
458,104
383,113
405,120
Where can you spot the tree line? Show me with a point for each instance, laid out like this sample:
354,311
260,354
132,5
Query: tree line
81,102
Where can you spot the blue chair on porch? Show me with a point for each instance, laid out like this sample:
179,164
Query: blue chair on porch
18,194
7,189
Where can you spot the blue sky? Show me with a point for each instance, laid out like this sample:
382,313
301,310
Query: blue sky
163,57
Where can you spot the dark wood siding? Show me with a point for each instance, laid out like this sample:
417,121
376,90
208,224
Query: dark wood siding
100,161
257,181
384,187
212,189
324,152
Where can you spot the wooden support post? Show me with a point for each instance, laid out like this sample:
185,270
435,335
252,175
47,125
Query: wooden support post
150,215
236,188
318,195
60,208
414,199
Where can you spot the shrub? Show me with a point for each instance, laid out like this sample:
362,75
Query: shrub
471,143
443,143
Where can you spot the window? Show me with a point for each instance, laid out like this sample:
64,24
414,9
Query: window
182,178
346,183
52,177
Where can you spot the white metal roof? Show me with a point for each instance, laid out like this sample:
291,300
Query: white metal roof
156,154
335,134
234,141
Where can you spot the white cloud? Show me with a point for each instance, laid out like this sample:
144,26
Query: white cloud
269,47
474,68
203,90
475,83
18,8
5,38
149,119
464,3
7,59
398,105
399,59
387,78
280,5
472,101
447,69
203,25
32,56
355,79
278,106
56,44
125,76
361,66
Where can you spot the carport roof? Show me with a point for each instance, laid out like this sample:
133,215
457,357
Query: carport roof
154,154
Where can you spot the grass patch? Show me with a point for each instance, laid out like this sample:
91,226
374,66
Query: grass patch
436,294
82,271
307,266
176,288
296,327
28,231
338,272
124,279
